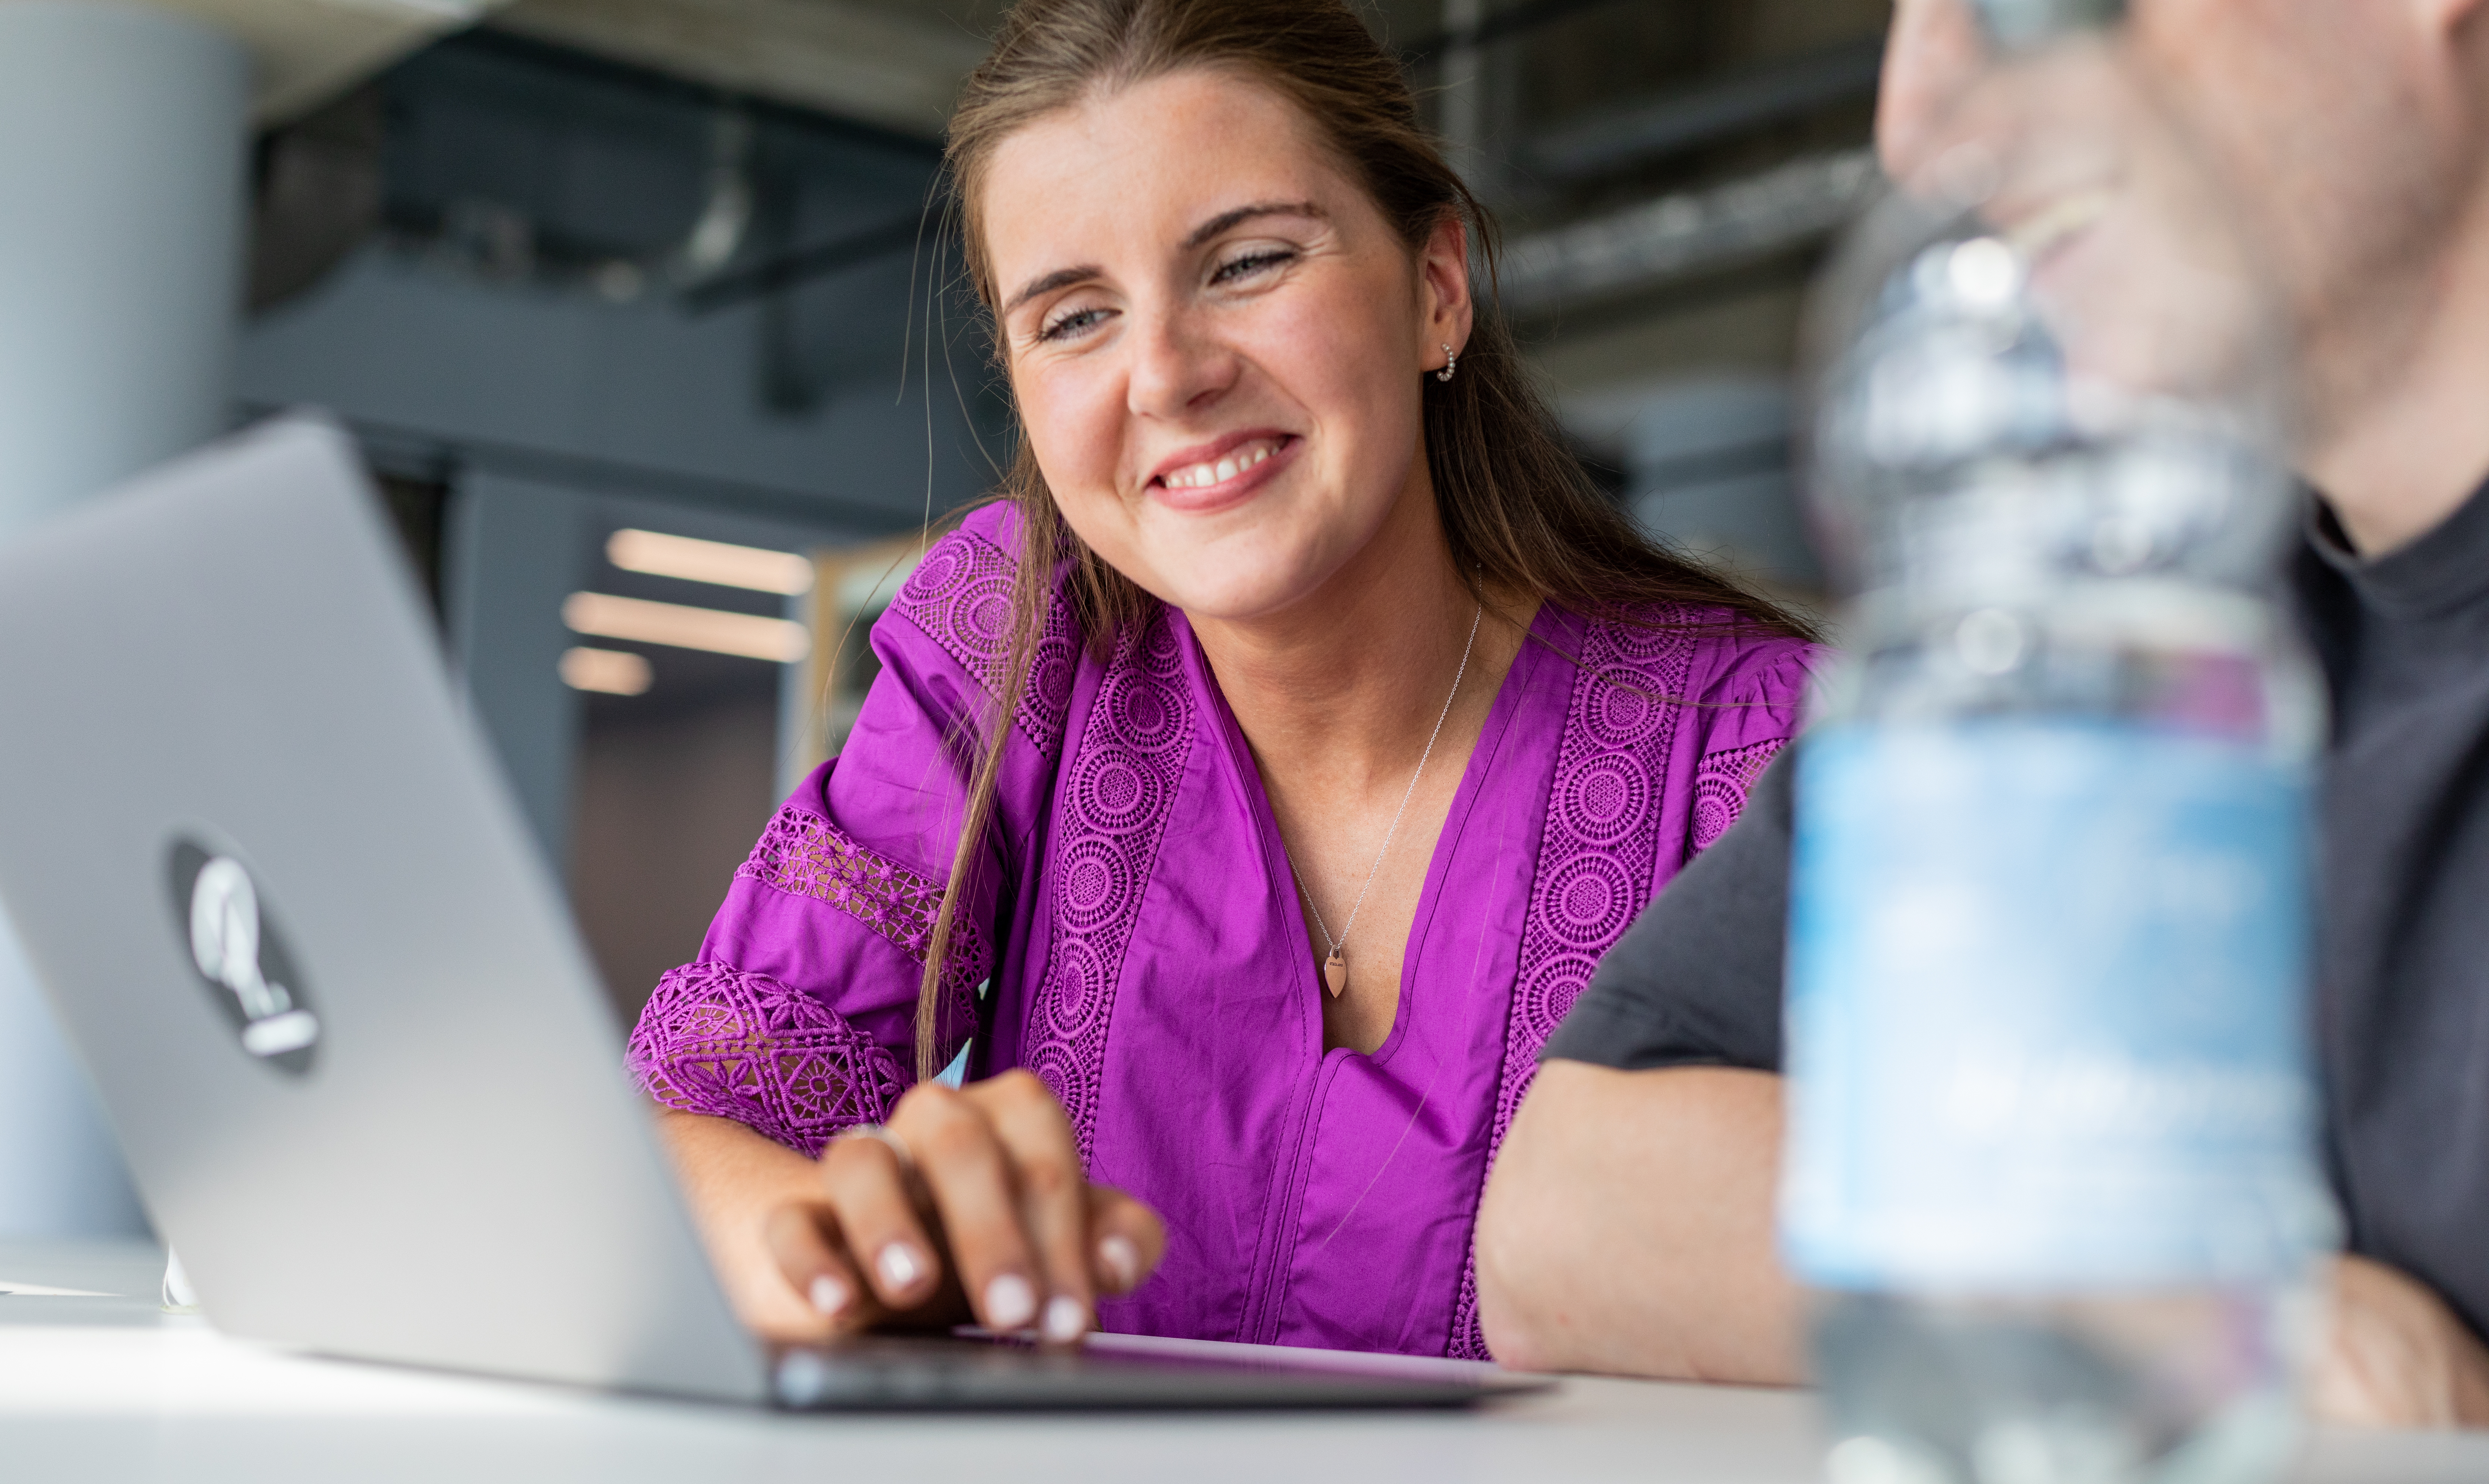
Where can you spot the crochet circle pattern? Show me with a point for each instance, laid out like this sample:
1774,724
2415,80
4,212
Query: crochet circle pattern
959,594
1596,857
1720,792
1124,773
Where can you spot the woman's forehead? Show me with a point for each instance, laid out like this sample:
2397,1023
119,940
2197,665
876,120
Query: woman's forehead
1146,165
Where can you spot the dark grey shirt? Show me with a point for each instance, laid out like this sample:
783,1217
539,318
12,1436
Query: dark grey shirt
2403,958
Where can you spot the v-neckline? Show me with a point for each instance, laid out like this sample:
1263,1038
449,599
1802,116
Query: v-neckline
1279,882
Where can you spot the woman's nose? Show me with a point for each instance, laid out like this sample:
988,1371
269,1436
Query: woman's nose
1177,366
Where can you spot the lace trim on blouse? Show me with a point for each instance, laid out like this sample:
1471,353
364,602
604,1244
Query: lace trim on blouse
1124,775
719,1042
960,595
1720,790
805,855
1597,856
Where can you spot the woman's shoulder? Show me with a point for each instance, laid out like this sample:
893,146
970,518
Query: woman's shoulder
1738,659
963,599
1736,688
971,565
1710,655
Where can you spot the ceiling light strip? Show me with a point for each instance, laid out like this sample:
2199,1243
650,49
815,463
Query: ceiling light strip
608,672
680,626
720,563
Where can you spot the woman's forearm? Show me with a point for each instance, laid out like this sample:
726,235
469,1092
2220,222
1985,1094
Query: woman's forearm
732,1179
1628,1228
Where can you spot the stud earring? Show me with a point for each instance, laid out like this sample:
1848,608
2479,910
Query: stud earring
1450,362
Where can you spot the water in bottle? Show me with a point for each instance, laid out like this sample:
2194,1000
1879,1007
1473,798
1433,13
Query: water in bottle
2053,1165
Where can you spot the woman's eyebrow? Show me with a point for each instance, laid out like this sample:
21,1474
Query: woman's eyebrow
1066,277
1243,214
1060,279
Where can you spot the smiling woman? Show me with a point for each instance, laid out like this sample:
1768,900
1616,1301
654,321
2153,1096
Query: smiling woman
1251,787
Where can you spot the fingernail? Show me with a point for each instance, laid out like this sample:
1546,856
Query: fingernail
1123,1261
899,1267
829,1295
1010,1302
1066,1319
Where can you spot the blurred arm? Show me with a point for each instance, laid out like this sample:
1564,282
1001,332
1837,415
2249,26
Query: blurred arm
1628,1225
2397,1356
1628,1228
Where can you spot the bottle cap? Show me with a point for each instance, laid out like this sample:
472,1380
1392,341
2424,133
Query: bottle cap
2018,24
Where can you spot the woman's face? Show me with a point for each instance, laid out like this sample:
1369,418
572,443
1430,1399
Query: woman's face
1216,342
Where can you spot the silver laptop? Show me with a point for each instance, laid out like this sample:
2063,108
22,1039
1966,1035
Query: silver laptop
284,905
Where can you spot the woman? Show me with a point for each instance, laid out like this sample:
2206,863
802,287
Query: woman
1257,783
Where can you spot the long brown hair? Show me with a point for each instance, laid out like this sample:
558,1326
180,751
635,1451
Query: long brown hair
1519,513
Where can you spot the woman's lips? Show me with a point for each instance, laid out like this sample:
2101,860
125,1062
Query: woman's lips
1213,484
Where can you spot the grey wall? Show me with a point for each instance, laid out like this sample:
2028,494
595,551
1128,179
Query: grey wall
121,193
644,398
512,550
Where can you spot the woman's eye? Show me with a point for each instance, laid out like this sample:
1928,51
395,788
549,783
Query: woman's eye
1064,326
1250,264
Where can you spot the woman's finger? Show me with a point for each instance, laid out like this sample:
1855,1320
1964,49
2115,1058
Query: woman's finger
804,1239
1053,1190
975,1189
1128,1239
869,1190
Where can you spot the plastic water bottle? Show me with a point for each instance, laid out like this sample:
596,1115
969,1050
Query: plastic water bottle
2052,1167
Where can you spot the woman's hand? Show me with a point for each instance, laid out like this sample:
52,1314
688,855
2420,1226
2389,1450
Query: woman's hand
972,1202
2395,1355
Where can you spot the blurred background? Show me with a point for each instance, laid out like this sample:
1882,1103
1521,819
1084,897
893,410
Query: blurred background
638,311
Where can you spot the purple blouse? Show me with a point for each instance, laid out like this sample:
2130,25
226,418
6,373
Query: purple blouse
1136,929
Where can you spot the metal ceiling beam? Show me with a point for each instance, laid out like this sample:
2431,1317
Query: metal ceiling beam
1688,232
831,55
804,265
1752,99
1496,26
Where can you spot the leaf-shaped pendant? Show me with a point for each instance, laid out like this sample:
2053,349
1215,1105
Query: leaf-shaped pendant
1336,974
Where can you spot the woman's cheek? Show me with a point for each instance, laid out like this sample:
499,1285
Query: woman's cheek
1340,353
1076,433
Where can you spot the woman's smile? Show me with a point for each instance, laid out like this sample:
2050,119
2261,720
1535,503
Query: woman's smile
1224,472
1214,337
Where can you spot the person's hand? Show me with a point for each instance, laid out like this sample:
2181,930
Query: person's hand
970,1202
2395,1355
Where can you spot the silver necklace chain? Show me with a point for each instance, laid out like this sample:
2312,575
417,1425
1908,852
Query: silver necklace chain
1349,926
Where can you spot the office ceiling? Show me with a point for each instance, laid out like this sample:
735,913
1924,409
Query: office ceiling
311,51
893,63
1626,145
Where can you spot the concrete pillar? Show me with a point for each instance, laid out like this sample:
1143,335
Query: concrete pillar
514,553
123,140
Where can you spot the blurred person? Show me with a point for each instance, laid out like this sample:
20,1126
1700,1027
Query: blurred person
1249,786
1629,1225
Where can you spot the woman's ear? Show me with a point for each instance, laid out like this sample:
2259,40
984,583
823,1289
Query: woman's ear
1443,285
1933,52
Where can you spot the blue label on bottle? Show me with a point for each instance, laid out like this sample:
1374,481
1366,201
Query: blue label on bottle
2046,1011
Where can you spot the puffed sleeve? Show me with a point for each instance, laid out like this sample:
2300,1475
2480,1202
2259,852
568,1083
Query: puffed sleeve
799,1016
1696,980
1752,709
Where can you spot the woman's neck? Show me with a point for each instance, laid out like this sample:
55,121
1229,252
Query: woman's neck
1348,684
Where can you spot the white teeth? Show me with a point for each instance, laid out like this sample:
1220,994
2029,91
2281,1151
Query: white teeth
1203,475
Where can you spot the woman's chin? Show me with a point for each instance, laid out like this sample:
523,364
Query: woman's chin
1210,587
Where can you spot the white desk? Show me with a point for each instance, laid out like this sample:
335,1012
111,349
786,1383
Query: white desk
110,1389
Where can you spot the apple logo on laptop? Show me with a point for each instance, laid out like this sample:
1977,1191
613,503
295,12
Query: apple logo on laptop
240,956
